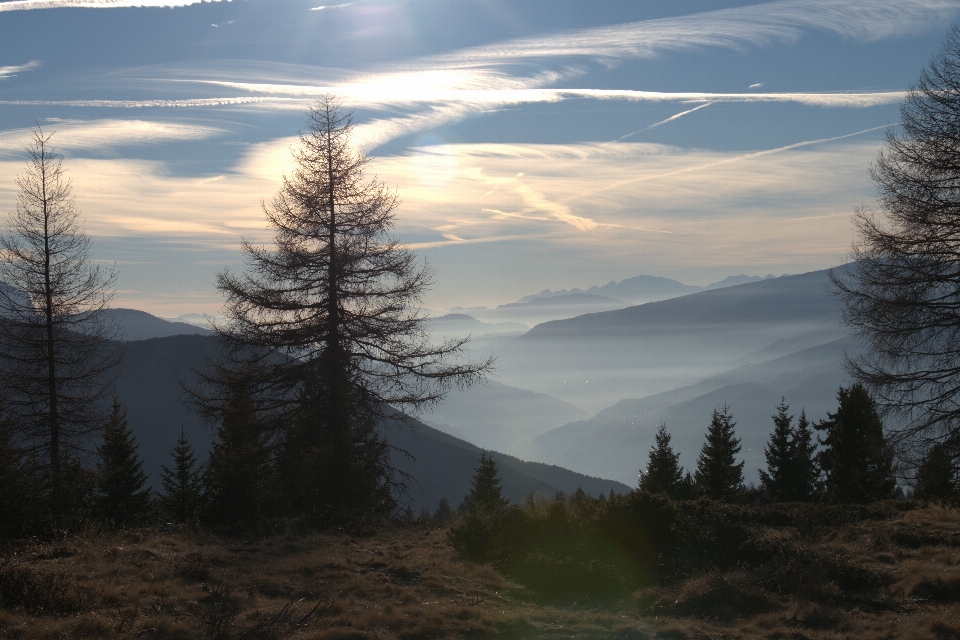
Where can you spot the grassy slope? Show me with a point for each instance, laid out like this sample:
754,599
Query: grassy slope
408,583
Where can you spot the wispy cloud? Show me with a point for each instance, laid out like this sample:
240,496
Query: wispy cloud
21,5
332,6
12,70
282,103
753,25
103,134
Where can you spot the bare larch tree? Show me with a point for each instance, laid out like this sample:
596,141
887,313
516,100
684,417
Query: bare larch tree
902,292
327,325
58,354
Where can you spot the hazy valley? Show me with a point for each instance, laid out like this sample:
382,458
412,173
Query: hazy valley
583,394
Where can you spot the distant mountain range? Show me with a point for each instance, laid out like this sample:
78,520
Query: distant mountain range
596,359
568,303
460,325
673,360
617,440
149,386
140,325
540,310
495,416
643,289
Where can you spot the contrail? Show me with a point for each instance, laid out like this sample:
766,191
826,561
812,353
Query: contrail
657,124
718,163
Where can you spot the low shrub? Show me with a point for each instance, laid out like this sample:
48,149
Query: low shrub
23,588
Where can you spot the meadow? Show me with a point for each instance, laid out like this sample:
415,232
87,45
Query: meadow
890,570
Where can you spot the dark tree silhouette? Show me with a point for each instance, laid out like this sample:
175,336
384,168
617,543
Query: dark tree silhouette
486,494
719,476
857,460
120,497
777,480
806,473
237,478
902,293
14,493
937,475
444,512
182,499
663,473
57,358
791,474
327,322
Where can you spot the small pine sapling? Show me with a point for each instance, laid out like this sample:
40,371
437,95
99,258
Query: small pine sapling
120,497
182,500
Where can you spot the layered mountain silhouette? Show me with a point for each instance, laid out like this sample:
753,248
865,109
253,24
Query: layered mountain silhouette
461,325
140,325
495,416
617,439
595,360
545,309
151,383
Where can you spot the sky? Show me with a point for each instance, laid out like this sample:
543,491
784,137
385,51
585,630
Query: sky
533,144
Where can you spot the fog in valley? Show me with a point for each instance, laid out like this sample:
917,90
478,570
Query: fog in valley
587,392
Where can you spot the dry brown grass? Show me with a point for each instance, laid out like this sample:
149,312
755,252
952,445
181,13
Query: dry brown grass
408,583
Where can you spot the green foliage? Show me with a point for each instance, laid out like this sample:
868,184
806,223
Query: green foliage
120,497
719,476
486,493
475,534
791,473
806,474
663,473
598,550
334,471
237,477
857,461
183,485
937,475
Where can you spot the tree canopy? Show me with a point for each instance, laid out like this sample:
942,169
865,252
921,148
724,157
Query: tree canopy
327,328
901,294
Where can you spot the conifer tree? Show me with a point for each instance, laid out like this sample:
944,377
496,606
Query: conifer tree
663,473
120,497
937,475
182,485
719,476
486,494
327,319
778,480
237,476
856,460
444,512
805,472
12,486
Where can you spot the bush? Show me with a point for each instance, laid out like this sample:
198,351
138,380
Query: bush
23,588
607,548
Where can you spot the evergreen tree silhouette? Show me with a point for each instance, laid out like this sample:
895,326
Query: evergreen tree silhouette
719,476
444,512
778,479
805,473
120,497
663,473
486,494
237,477
183,485
937,476
13,487
857,461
